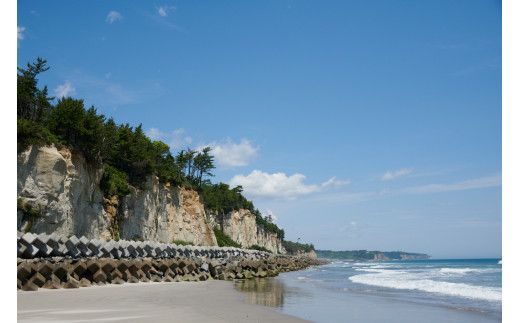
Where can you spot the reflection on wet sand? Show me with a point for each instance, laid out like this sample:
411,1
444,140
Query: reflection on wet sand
266,291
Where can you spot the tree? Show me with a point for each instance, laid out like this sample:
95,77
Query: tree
181,160
67,120
108,139
190,154
203,163
91,137
32,103
160,151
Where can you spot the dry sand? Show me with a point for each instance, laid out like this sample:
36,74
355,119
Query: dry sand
210,301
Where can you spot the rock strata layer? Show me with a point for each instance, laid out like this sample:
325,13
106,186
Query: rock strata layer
64,190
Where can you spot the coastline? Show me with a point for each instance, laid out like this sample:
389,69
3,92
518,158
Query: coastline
208,301
320,295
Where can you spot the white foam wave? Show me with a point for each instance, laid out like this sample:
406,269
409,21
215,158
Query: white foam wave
381,266
456,270
400,280
500,262
370,270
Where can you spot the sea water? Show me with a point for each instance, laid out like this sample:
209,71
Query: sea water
391,291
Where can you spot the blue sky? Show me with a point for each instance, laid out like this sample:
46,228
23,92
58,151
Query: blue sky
358,124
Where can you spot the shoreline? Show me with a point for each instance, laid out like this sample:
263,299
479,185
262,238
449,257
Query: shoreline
299,294
208,301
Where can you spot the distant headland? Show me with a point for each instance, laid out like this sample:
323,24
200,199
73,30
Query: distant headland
371,255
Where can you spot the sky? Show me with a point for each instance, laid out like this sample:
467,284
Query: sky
371,125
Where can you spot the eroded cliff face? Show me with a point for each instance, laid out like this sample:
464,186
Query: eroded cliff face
165,213
311,254
241,227
65,189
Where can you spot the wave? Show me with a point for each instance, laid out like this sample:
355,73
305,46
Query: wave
370,270
456,270
500,262
382,266
391,279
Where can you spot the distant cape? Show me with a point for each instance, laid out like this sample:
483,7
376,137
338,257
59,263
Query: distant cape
370,255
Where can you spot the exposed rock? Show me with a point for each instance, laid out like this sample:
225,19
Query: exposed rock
64,188
241,227
165,213
380,257
311,254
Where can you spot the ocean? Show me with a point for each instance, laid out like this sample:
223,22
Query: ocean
468,290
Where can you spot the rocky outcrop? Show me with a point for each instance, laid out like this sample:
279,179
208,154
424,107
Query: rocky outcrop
380,257
165,213
241,227
64,190
311,254
415,257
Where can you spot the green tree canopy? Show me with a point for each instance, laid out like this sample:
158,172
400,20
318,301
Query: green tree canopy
32,103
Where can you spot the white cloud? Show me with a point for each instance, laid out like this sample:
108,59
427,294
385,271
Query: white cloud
335,183
163,11
64,90
113,16
273,217
274,186
155,134
483,182
178,140
230,154
398,173
174,139
19,30
352,226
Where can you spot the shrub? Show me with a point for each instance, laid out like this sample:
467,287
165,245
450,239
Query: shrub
183,243
257,247
29,214
137,238
223,240
114,182
30,132
294,247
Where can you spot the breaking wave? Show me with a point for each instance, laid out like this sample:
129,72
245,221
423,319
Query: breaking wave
404,280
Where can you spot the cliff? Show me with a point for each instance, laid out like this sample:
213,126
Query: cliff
241,227
64,190
311,254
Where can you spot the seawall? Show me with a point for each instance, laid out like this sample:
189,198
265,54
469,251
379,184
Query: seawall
55,261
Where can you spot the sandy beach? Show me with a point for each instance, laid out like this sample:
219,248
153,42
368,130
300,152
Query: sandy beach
210,301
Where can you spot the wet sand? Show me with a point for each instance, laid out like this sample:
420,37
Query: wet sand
296,297
210,301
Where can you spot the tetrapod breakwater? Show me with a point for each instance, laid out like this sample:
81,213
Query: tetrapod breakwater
57,261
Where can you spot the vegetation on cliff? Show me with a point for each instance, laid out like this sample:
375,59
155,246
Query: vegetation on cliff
223,240
295,247
126,153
